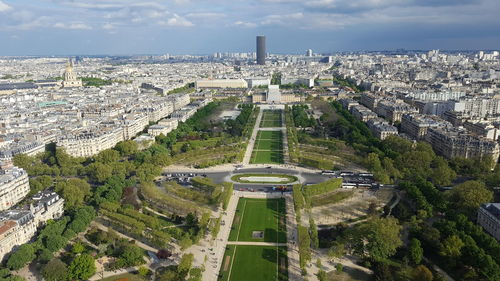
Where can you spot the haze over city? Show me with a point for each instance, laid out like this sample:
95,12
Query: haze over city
90,27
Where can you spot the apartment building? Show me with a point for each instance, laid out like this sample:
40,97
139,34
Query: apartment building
362,113
164,127
488,216
380,128
454,142
17,227
415,125
393,110
133,124
14,186
88,143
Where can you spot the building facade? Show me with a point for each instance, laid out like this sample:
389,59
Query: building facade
14,186
488,217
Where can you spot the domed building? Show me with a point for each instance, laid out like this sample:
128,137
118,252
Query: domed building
70,79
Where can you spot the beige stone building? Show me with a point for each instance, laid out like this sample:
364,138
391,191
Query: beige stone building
89,143
70,79
14,186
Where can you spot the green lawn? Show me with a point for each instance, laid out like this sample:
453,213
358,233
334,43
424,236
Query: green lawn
267,157
267,215
249,263
238,178
268,148
271,118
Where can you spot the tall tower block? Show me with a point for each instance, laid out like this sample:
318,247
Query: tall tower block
261,50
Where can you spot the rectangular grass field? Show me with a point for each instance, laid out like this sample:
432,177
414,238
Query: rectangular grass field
268,148
251,263
271,118
266,215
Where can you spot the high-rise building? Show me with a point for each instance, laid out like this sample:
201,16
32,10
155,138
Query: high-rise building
261,50
309,53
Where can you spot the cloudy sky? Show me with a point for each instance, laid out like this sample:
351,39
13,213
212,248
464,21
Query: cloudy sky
62,27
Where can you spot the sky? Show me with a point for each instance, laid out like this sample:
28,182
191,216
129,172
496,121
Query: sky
126,27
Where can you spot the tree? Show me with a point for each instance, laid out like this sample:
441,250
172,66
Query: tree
337,250
415,251
82,267
130,255
107,156
442,174
78,247
55,270
44,255
73,191
143,271
322,276
378,238
127,148
469,196
24,255
100,172
451,246
185,264
55,242
313,232
422,273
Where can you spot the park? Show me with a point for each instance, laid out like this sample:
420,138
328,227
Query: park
257,241
268,148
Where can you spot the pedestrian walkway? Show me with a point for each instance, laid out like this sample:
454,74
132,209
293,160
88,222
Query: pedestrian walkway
256,243
251,141
137,242
294,271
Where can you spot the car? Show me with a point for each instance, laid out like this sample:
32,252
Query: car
268,167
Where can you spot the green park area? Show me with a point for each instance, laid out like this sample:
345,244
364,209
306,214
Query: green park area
268,148
259,220
271,118
264,178
246,263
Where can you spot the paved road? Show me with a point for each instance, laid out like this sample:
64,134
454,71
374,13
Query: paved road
306,177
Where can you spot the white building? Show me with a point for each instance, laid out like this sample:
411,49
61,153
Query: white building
14,186
16,228
70,80
273,94
89,143
221,83
488,217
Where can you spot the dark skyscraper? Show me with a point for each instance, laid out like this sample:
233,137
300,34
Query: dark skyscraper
261,50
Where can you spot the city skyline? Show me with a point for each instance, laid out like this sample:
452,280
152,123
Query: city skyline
63,27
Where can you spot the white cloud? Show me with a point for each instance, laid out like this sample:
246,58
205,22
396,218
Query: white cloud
245,24
282,19
4,7
108,26
205,15
176,20
74,25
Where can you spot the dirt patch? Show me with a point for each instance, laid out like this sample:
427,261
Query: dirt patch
236,219
226,263
351,208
